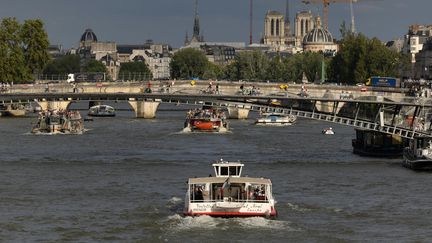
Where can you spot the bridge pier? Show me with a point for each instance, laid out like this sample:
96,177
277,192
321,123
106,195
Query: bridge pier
144,108
54,105
238,112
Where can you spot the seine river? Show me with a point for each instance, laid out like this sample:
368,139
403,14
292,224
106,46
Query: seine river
125,180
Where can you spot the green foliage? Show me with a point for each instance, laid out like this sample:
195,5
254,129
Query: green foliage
249,66
276,69
23,49
214,71
188,63
71,64
64,65
360,58
94,66
12,61
35,45
131,68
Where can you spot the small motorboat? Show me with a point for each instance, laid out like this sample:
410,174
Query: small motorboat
328,131
276,119
101,110
228,194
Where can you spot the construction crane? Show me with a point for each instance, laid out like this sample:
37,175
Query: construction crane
250,22
326,4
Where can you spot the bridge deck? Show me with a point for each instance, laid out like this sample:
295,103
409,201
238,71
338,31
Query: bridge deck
249,102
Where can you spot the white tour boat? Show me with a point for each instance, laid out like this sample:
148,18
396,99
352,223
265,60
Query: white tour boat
101,110
229,195
276,119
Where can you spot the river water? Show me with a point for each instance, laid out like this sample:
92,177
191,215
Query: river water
125,180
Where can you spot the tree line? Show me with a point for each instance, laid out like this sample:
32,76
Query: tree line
358,59
23,49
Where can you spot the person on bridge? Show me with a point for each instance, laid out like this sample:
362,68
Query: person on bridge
148,89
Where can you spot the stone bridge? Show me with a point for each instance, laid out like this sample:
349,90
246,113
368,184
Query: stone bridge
401,118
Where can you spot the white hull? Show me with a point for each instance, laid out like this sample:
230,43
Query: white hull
275,119
231,209
275,123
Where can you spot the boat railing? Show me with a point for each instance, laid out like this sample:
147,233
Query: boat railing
263,200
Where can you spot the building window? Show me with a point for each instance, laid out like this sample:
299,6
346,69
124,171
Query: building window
277,27
302,30
272,27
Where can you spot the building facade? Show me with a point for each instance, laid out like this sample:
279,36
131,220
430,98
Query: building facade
304,23
274,30
423,61
414,40
106,52
156,56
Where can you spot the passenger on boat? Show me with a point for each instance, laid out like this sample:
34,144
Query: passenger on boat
199,194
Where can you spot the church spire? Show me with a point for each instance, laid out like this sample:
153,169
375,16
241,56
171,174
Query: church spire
186,41
196,29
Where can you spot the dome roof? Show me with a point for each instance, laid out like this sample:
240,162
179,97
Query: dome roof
89,35
318,35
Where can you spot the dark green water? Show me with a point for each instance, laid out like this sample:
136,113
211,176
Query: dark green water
124,180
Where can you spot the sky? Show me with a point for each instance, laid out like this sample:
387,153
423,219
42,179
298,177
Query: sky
166,21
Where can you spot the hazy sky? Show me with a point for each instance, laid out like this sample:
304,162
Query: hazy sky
166,21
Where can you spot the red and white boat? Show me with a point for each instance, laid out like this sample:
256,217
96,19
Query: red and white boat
206,120
227,194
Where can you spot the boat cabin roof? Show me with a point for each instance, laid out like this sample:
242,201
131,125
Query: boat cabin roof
273,114
203,180
101,106
228,169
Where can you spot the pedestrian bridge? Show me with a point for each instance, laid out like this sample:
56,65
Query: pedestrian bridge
407,119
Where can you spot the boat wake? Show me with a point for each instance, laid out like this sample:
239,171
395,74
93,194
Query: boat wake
85,130
179,223
298,208
306,208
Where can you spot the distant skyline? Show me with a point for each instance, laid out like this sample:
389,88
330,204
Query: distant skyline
166,21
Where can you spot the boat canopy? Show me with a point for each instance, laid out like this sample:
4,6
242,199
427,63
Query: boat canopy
232,180
228,169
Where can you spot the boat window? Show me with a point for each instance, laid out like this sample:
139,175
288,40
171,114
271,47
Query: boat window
233,170
224,171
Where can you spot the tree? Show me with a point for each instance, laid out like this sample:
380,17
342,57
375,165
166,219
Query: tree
188,63
136,70
12,61
308,63
311,65
94,66
64,65
360,58
35,45
276,70
250,66
214,71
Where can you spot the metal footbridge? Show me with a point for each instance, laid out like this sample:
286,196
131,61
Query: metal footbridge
406,119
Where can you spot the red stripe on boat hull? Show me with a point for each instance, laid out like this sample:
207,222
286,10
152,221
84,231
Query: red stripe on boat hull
232,214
